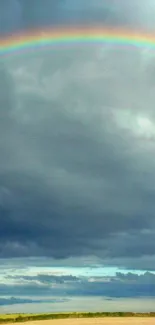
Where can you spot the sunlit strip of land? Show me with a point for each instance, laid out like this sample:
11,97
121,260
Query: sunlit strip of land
13,318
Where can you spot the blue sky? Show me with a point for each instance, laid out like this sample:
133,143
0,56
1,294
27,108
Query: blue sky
77,178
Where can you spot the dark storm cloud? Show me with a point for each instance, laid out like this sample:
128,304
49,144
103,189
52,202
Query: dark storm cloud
61,167
77,146
54,230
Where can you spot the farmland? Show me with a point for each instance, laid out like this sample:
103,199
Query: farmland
80,318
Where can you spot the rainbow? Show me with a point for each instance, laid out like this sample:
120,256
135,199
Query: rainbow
43,39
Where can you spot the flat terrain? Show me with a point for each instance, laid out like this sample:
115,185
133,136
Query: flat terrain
96,321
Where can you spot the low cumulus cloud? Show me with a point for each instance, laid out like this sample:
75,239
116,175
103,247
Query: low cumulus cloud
46,278
146,277
13,301
16,301
121,285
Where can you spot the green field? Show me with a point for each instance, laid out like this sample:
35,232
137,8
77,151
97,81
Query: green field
6,318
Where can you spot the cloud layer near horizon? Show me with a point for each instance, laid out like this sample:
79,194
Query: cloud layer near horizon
121,285
40,283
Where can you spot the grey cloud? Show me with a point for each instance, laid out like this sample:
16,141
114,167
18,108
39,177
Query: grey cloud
116,290
31,290
68,155
10,16
146,278
145,262
106,12
47,279
77,149
15,301
11,265
38,14
21,14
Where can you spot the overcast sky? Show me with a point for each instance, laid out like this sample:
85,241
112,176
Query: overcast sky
77,152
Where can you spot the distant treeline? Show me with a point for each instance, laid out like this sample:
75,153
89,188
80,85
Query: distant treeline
29,317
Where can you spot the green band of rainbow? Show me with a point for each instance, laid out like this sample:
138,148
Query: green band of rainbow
70,36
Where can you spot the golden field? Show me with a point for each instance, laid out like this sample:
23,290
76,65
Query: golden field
80,318
97,321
